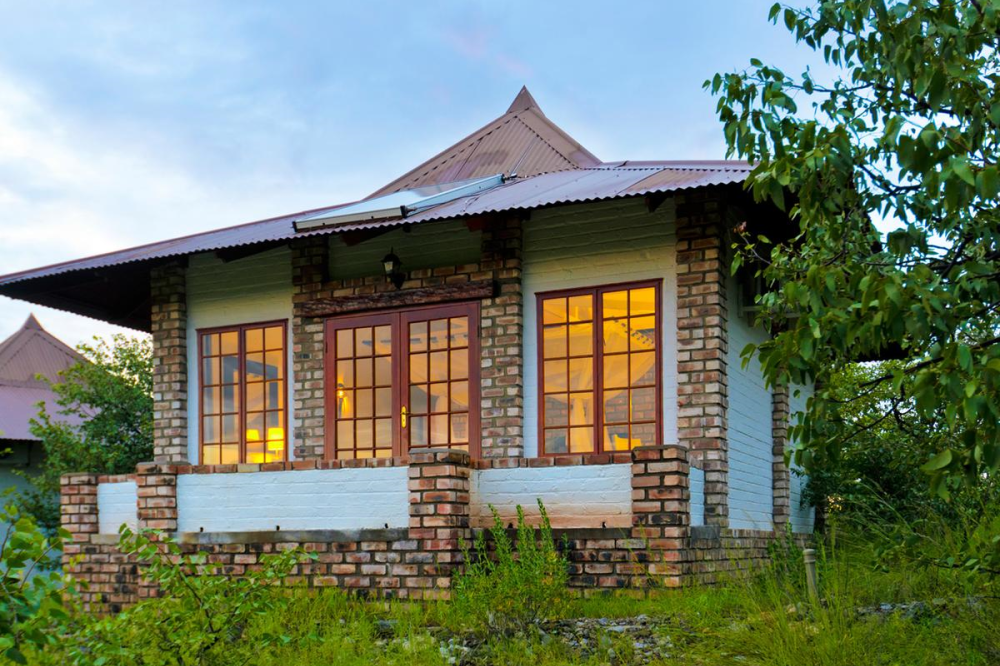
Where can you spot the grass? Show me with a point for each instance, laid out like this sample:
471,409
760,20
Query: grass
764,621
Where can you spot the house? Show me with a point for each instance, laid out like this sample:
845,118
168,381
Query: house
31,352
512,319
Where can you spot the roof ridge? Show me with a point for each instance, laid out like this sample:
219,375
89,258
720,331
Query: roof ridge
545,141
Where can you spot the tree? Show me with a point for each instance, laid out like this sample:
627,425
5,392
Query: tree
905,134
111,397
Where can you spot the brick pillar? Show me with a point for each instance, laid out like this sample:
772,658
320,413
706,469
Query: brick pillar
310,258
439,517
501,340
78,516
168,294
660,509
780,477
157,506
702,346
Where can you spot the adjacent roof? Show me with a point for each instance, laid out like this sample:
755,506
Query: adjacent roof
29,352
543,164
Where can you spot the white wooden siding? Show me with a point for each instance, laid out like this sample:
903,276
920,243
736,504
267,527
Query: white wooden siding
696,485
254,289
117,504
591,245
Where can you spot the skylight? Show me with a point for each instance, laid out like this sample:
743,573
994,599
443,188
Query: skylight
397,204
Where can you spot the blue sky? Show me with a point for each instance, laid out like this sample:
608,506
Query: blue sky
127,122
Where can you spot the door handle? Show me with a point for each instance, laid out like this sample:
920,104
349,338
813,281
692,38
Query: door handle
402,416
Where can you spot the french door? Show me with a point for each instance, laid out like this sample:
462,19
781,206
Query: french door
402,381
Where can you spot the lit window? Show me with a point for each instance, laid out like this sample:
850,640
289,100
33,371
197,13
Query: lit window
242,380
599,375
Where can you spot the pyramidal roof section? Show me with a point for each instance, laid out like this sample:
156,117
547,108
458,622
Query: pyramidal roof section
522,140
32,350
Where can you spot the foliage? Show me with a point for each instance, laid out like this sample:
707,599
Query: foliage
508,588
905,133
111,397
201,616
31,600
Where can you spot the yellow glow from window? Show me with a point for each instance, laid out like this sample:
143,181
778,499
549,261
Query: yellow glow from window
253,435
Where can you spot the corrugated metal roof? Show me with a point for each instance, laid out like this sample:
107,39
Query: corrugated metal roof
28,352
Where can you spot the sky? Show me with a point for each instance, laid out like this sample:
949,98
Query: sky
125,122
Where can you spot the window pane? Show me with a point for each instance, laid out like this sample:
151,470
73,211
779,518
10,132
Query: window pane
254,340
556,441
231,398
363,375
345,343
210,401
556,410
210,429
615,336
439,334
554,311
460,364
418,368
363,344
418,336
439,366
383,433
418,431
643,404
345,435
643,370
459,331
255,427
459,396
364,434
581,409
273,338
459,427
210,371
554,342
255,367
345,404
616,438
439,397
230,433
345,374
581,308
616,406
643,434
210,344
418,399
642,301
581,339
273,369
366,403
643,333
383,371
555,376
439,430
255,452
581,440
581,374
230,454
615,304
383,340
211,455
230,369
383,402
229,342
275,395
616,371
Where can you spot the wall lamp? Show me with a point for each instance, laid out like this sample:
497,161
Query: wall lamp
391,265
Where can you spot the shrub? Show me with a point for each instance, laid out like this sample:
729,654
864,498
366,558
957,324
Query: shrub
517,584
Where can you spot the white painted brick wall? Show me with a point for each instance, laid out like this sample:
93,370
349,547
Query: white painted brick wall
696,486
336,499
751,503
592,245
117,504
577,496
803,518
254,289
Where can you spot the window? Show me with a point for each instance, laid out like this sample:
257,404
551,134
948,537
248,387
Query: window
403,380
599,369
242,382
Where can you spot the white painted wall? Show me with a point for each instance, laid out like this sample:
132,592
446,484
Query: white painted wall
751,503
696,486
576,496
254,289
335,499
591,245
419,246
117,504
803,518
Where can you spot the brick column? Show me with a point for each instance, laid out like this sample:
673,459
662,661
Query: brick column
780,477
702,346
439,517
501,344
310,257
168,294
660,509
78,516
157,506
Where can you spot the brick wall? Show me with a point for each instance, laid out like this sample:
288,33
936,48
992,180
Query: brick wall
168,295
780,476
702,345
660,508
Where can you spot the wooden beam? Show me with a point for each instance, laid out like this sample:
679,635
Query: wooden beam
228,254
445,293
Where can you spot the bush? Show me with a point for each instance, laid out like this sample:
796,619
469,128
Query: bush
518,583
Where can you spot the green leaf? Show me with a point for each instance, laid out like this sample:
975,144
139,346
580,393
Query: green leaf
960,166
964,356
789,19
940,461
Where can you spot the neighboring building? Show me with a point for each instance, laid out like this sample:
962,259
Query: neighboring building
559,328
24,356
